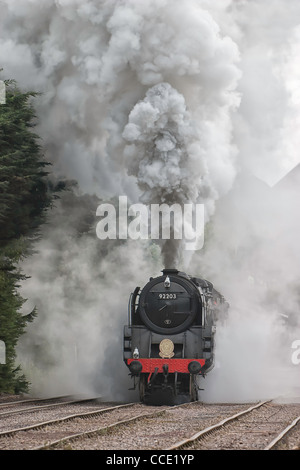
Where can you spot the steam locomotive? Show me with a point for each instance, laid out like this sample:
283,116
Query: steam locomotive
169,339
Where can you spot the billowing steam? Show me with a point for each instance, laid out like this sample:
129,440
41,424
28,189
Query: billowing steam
161,101
168,156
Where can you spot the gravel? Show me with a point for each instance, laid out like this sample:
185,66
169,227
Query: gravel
254,431
160,432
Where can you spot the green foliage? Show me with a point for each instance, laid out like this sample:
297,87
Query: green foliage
24,197
23,188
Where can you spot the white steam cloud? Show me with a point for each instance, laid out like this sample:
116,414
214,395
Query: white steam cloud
159,100
170,159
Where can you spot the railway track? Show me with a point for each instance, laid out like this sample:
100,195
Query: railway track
4,402
77,427
242,424
23,406
133,426
281,437
14,435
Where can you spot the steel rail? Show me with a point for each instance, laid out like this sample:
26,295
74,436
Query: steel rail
215,427
42,407
104,429
98,431
283,433
65,418
109,427
31,400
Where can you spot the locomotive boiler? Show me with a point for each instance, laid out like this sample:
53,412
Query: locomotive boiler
169,338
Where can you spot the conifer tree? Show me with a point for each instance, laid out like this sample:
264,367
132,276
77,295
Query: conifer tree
24,198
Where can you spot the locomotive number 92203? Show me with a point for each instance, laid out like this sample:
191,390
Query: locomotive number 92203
169,338
167,296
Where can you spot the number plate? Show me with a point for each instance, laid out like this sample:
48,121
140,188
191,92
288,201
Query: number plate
166,296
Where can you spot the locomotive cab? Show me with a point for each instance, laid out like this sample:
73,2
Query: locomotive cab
169,339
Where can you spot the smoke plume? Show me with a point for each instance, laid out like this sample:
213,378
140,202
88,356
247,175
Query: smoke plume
161,101
168,157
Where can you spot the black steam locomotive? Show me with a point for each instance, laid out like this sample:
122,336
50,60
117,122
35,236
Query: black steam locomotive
169,339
